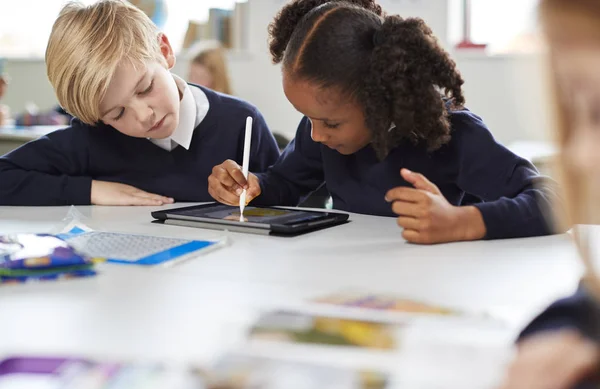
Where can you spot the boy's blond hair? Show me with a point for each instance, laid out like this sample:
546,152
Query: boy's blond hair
88,43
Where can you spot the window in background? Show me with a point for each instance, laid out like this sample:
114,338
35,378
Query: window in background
505,25
26,24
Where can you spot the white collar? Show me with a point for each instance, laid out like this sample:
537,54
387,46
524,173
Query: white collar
193,108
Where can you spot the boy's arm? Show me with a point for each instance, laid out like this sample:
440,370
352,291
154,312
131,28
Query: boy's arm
48,171
516,200
297,172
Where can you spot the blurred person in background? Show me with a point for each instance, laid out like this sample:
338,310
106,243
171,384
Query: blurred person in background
208,67
4,112
560,349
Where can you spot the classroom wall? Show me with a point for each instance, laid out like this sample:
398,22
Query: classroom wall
507,91
28,84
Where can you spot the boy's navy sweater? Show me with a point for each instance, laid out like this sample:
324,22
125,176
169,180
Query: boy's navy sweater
58,169
471,168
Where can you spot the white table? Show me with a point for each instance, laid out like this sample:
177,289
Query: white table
191,311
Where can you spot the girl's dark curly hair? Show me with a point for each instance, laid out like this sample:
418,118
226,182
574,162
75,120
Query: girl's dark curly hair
394,68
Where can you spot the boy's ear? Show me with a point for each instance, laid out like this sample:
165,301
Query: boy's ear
166,50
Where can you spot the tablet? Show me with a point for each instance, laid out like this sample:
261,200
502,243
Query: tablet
259,220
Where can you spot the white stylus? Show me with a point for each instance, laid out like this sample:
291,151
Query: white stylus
245,162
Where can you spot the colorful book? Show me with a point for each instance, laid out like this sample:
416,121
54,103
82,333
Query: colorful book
28,257
31,252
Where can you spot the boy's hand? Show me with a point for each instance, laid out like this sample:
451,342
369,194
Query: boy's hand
112,193
227,181
552,360
427,217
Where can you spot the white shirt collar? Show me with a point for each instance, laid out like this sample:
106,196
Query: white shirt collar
193,108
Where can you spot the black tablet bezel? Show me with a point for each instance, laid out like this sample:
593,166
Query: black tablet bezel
327,219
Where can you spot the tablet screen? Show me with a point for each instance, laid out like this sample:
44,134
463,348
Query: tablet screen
252,214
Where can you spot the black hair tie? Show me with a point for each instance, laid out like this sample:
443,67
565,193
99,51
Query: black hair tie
378,38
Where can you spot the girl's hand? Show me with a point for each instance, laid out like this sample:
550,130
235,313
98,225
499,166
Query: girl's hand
226,182
427,217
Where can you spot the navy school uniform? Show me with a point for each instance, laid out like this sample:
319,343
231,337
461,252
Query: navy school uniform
471,168
579,312
58,169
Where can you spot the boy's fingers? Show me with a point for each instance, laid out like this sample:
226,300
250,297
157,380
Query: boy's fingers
137,200
152,196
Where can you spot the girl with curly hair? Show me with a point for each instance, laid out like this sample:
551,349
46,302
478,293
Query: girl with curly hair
386,129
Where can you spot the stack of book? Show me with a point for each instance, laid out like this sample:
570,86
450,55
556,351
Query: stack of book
226,26
29,257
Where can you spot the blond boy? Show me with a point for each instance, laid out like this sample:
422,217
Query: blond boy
141,135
